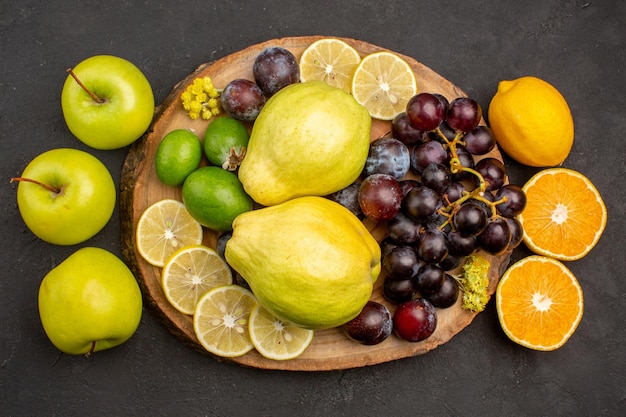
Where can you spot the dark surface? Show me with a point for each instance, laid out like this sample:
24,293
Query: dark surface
578,46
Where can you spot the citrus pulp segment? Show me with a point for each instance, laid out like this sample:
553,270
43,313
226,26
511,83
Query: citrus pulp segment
221,320
190,272
163,228
564,215
277,339
539,303
330,60
383,83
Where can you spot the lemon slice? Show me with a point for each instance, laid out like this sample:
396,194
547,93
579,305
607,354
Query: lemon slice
277,339
190,272
221,320
163,228
383,83
330,60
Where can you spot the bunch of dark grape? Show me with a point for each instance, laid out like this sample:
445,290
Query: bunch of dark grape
442,198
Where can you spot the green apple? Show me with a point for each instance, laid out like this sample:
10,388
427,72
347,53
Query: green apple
89,302
107,102
65,196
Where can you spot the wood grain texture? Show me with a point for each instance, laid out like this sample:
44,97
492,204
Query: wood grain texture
140,187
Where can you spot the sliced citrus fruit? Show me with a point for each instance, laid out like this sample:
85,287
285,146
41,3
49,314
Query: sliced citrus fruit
221,320
190,272
163,228
564,215
330,60
383,83
539,303
277,339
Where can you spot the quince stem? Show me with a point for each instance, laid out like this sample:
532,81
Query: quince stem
93,95
46,186
93,348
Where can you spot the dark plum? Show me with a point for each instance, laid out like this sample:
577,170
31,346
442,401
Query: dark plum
387,156
348,197
415,320
371,326
275,68
242,99
380,197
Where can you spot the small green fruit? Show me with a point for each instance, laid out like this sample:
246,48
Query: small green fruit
225,142
178,155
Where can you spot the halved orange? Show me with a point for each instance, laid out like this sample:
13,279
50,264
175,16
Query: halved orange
539,303
564,215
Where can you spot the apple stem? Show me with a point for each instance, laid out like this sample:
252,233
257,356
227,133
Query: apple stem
90,353
46,186
88,91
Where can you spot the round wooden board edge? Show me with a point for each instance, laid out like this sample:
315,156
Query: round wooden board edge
134,162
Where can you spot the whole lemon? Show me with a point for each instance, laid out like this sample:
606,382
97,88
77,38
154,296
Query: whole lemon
309,139
309,260
532,122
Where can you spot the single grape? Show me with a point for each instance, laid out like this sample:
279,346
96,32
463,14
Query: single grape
432,246
380,197
387,156
386,245
420,203
517,232
480,140
461,245
242,99
496,236
431,152
425,111
515,200
493,172
403,229
407,185
275,68
401,263
415,320
371,326
349,198
429,279
436,177
451,261
399,290
463,114
403,130
470,219
447,294
454,191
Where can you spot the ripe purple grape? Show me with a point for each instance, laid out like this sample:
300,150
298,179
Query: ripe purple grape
496,236
447,294
403,130
463,114
470,219
436,177
275,68
380,197
432,246
399,290
517,232
387,156
480,140
242,99
420,203
429,279
415,320
403,229
431,152
493,172
371,326
425,111
515,200
401,263
459,244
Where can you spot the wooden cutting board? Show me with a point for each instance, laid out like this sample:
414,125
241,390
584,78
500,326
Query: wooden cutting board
140,187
